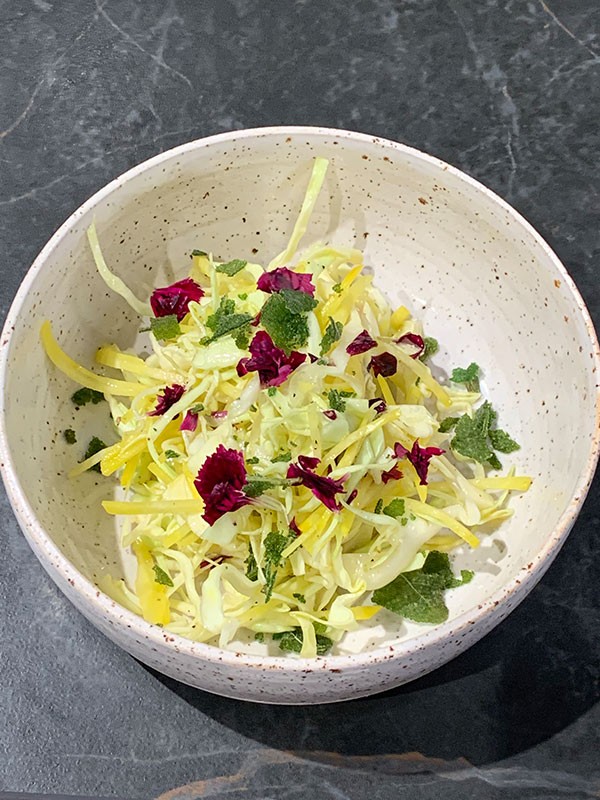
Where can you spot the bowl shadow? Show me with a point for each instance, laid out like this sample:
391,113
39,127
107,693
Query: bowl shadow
527,680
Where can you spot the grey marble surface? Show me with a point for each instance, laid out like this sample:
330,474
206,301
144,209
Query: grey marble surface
507,90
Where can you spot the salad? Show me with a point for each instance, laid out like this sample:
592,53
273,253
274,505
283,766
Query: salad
288,464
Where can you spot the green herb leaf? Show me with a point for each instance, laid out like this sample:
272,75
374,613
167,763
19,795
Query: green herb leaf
199,253
395,509
298,302
447,424
84,396
332,334
471,435
494,462
337,288
378,506
172,454
502,442
468,376
165,327
94,447
287,329
431,348
231,268
257,485
253,460
282,457
291,642
70,436
259,637
275,544
419,594
196,409
337,399
160,576
243,296
272,391
299,597
225,320
251,567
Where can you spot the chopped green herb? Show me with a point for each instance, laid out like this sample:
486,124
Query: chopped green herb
337,288
332,334
299,597
272,391
70,436
94,447
275,544
196,409
395,509
468,376
471,434
160,576
431,348
291,642
243,296
172,454
84,396
282,457
502,442
253,460
419,594
199,253
251,566
322,362
287,329
337,399
165,327
257,485
231,268
225,320
494,462
259,637
378,506
447,424
298,302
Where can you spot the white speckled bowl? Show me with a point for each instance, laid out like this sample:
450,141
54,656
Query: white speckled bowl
483,281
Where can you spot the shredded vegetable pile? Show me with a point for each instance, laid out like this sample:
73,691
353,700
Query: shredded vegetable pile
289,465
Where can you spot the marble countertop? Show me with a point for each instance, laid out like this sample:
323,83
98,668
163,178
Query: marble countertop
507,91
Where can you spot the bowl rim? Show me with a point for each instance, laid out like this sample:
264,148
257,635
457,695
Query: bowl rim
54,560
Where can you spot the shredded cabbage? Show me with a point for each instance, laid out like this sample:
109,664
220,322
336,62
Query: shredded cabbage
233,577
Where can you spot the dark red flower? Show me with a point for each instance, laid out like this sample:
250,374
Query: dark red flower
175,299
324,489
313,358
384,364
352,496
360,344
219,414
419,457
392,474
379,404
190,422
271,363
284,278
330,414
170,395
220,482
416,340
293,526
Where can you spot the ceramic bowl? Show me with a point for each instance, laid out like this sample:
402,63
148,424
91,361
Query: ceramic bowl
483,281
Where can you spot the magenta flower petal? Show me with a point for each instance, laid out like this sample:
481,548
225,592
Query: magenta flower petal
360,344
414,339
392,474
293,526
352,496
379,404
170,395
190,422
419,457
220,482
384,364
330,414
324,489
284,278
271,363
175,299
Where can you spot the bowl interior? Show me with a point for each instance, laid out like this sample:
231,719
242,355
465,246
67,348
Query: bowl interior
483,284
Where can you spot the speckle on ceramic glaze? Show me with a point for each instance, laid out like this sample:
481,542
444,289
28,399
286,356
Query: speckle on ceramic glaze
436,240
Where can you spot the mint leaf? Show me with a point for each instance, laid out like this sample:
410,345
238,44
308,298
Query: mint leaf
291,642
298,302
196,409
272,391
94,447
84,396
171,454
225,320
337,400
259,637
502,442
395,509
494,462
332,334
337,288
70,436
251,566
447,424
419,594
253,460
199,253
468,376
162,577
275,544
231,268
471,435
287,329
243,296
431,348
299,597
165,327
282,457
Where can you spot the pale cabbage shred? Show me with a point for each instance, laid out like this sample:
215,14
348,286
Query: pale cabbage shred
329,570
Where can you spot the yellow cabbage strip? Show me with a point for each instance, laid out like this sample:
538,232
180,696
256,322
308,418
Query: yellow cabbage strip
386,391
335,301
80,374
129,471
119,454
423,372
111,356
361,613
152,596
361,433
432,514
83,466
399,317
183,507
518,483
